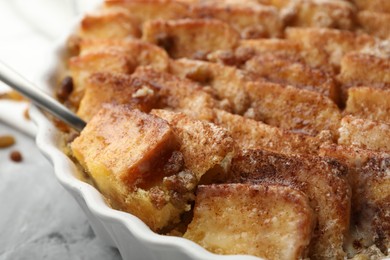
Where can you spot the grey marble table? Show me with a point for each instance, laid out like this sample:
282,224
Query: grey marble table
38,218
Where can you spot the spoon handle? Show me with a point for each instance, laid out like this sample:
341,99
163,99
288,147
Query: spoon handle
37,96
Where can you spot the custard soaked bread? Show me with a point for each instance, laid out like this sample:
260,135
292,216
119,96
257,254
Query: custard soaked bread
228,108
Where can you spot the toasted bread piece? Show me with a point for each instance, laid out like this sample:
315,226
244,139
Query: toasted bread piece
375,23
147,10
199,140
269,221
335,42
251,134
180,94
120,56
123,150
291,108
191,38
373,5
228,82
288,71
369,102
247,49
364,133
324,13
102,88
365,69
138,52
81,68
252,20
109,25
368,176
322,180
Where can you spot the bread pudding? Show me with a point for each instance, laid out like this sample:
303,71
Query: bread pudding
257,127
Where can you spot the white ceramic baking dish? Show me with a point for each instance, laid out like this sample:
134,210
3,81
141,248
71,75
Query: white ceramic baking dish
118,229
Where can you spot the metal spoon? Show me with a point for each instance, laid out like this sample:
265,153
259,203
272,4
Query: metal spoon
38,97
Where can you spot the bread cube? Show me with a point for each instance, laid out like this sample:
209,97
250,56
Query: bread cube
269,221
373,5
364,133
140,53
190,38
227,82
115,88
322,180
335,42
199,140
123,150
288,71
325,14
369,103
179,94
247,49
375,23
251,134
108,25
368,177
250,19
291,108
365,69
81,67
145,10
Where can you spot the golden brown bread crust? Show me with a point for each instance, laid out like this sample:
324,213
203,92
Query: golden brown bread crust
335,42
369,102
227,82
322,180
115,88
109,25
292,109
288,71
375,23
251,134
278,220
373,5
250,19
190,38
365,134
199,140
368,176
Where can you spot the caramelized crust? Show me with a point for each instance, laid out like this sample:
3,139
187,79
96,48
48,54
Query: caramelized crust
335,42
365,134
251,134
199,140
375,23
368,177
147,10
369,103
323,181
373,5
122,150
228,82
323,13
81,67
269,221
179,94
292,109
288,71
252,20
247,49
114,88
190,38
365,69
138,52
109,25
